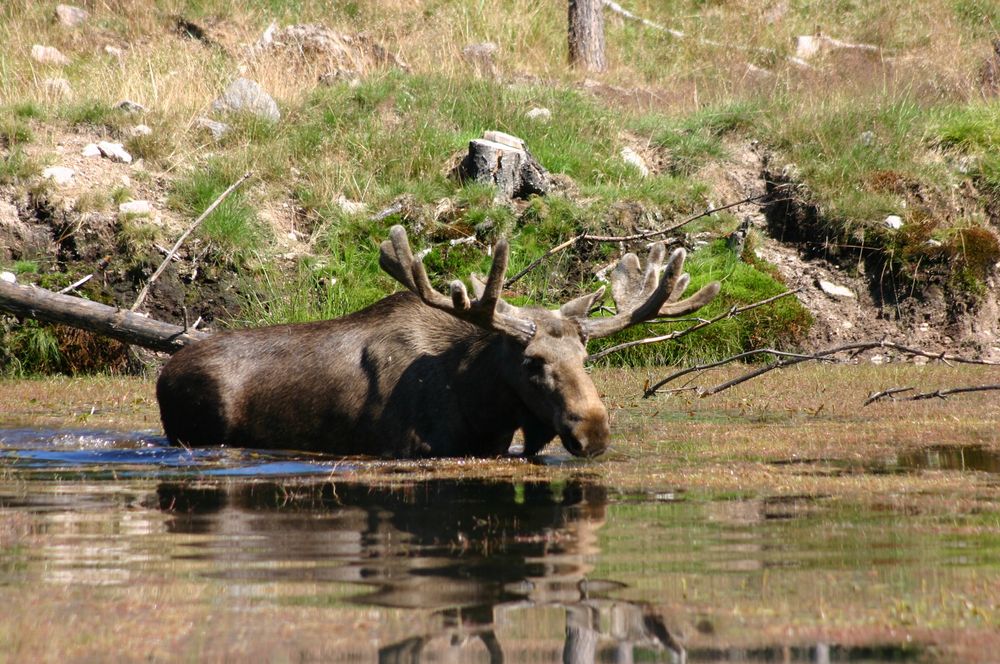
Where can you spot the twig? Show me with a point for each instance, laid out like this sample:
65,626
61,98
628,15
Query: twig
76,284
618,9
173,250
878,396
538,261
676,334
941,394
787,361
648,235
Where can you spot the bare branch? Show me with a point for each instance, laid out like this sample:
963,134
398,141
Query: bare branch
787,360
173,250
735,311
76,284
889,393
614,239
941,394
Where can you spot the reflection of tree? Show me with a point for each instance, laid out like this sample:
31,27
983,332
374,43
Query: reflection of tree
475,552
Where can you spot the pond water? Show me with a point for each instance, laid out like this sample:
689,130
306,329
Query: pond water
116,546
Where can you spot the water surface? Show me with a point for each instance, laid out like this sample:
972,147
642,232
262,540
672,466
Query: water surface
116,542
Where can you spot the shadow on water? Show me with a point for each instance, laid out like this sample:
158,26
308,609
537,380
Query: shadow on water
943,457
472,551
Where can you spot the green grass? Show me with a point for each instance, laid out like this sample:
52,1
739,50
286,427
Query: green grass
233,229
779,324
16,166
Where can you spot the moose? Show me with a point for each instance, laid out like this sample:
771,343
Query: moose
418,373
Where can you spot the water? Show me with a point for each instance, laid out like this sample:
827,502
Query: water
115,545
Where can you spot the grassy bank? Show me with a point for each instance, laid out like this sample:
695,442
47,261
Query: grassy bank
905,129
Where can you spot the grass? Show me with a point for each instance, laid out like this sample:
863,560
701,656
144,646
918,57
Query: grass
868,137
232,229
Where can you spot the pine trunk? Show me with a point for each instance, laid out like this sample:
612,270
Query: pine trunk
586,35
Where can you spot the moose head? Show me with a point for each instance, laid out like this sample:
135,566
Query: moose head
547,348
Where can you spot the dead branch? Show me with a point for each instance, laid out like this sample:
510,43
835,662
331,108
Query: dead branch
76,284
173,250
121,324
787,360
676,334
885,394
941,394
615,239
618,9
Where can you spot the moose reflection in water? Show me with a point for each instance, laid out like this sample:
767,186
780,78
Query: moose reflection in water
473,552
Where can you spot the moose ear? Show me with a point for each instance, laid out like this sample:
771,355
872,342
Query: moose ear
580,307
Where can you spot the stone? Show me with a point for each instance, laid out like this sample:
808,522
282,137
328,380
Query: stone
217,129
482,57
893,221
91,150
114,51
48,55
244,95
348,206
71,16
57,87
141,130
632,158
539,114
58,174
129,106
835,290
9,277
867,138
136,208
114,152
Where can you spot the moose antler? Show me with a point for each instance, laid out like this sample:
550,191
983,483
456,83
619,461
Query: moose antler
487,310
641,295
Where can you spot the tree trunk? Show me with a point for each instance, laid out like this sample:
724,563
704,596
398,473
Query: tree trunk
586,35
121,324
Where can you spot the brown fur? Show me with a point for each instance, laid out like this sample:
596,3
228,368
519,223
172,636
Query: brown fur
398,379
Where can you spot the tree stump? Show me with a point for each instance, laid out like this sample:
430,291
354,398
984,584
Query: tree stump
503,161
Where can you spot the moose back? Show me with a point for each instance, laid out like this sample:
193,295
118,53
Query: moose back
418,373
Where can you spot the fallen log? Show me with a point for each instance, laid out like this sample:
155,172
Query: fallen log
121,324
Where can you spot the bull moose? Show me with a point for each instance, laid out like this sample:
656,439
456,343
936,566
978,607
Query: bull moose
418,373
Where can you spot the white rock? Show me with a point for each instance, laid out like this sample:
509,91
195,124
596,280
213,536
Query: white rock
136,208
348,206
867,138
129,106
71,16
91,150
539,114
48,55
57,87
9,277
58,174
244,95
141,130
114,152
217,129
806,46
835,290
632,158
893,221
878,359
114,51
